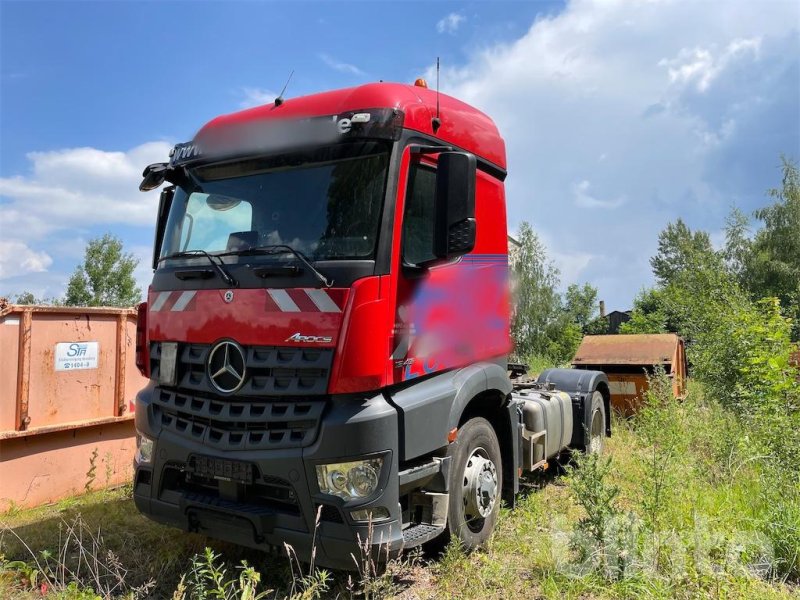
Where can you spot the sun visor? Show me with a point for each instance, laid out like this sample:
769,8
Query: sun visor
269,136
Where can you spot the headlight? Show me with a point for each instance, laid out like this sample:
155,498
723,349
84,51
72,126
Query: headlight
144,450
350,480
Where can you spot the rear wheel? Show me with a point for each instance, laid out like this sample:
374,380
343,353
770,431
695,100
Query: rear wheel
476,481
595,435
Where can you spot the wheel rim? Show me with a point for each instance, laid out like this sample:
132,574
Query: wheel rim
596,433
479,489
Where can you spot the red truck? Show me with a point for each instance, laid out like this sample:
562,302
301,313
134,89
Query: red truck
327,331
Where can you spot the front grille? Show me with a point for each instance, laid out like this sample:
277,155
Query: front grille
270,370
238,425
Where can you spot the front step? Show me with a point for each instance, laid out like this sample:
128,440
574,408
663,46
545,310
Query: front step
418,534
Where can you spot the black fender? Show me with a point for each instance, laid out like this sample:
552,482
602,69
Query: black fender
474,380
580,385
432,407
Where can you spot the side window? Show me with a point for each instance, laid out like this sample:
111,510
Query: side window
418,220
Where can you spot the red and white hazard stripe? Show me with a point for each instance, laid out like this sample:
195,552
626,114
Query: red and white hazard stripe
296,300
173,301
301,300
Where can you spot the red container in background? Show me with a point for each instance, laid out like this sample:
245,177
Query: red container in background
68,378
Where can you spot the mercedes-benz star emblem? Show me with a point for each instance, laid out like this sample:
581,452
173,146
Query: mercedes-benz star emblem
226,367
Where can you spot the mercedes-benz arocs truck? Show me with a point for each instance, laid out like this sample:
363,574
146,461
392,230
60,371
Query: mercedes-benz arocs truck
326,334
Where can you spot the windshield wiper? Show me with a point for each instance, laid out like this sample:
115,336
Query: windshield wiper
281,249
223,272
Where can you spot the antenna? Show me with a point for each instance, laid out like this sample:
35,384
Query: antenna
436,122
279,99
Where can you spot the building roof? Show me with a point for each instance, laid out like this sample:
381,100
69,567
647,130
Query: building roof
461,124
635,349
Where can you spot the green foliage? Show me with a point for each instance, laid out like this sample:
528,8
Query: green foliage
772,266
597,326
649,314
29,298
106,276
565,337
580,304
679,248
593,490
537,304
738,246
543,324
539,362
662,441
25,298
208,580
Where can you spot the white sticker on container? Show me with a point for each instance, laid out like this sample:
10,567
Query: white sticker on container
71,356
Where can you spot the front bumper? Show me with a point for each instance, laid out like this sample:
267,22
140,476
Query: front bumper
284,506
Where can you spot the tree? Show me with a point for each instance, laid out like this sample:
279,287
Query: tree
738,246
25,298
773,267
537,303
678,248
580,304
649,314
106,276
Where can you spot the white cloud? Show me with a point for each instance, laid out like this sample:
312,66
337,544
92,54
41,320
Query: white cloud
256,97
47,215
450,23
16,258
687,111
699,67
340,66
76,188
580,192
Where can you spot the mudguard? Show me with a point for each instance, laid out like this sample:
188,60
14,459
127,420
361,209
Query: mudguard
580,385
431,408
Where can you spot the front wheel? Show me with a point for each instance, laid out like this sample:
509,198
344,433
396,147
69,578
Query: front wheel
476,482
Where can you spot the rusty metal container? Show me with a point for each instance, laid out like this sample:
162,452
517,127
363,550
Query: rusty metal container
68,378
628,359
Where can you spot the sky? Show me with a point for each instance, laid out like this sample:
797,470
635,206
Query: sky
619,116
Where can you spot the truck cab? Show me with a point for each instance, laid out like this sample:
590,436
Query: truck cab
327,331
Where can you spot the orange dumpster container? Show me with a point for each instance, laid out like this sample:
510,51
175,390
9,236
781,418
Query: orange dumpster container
68,378
627,359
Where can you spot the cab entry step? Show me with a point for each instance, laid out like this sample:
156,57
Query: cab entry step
416,535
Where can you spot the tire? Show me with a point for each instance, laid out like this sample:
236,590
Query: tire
476,482
595,429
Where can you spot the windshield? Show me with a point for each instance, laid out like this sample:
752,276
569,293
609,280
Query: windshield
325,204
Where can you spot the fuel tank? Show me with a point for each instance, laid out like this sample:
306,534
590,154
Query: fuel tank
549,411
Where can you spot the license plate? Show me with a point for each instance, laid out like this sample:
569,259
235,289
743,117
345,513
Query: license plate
221,469
166,369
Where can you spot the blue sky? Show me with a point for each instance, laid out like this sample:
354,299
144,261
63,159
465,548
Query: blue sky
618,116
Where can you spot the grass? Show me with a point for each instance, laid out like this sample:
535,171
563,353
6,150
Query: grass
686,519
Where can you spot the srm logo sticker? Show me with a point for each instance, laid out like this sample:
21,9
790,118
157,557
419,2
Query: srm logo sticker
76,350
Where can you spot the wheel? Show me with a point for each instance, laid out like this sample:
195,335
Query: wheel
476,482
595,434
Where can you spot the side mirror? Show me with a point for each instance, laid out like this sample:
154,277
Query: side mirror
454,232
153,176
164,204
